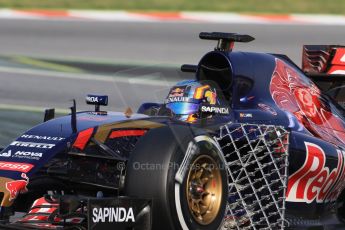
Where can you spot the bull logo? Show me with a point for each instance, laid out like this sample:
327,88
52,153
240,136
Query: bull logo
17,186
295,94
177,92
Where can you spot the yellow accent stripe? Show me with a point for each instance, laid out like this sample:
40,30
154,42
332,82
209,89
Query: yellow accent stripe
199,92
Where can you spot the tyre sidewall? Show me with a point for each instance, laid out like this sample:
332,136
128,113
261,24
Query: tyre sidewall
201,145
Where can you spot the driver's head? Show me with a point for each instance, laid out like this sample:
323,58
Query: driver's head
185,98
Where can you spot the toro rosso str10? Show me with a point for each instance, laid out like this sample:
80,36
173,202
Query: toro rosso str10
254,142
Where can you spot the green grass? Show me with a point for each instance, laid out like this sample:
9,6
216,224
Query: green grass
15,121
44,64
257,6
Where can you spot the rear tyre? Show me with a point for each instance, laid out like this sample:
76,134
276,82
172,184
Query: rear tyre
183,171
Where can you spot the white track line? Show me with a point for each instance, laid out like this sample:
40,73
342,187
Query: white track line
31,108
140,80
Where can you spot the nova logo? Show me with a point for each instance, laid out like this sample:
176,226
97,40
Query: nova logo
28,155
92,99
22,154
31,154
111,214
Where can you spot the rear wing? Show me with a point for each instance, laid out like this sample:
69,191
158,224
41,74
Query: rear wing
325,66
325,59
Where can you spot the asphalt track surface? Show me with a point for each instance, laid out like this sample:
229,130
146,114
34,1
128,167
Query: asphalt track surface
151,42
132,42
57,91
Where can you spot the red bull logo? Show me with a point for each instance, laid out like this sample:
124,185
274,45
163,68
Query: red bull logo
17,186
177,92
314,180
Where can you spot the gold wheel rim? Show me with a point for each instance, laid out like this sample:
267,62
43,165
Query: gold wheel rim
204,190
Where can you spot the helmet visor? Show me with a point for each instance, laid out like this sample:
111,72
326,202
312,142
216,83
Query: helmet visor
180,108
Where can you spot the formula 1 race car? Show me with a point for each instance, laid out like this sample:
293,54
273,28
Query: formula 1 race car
253,143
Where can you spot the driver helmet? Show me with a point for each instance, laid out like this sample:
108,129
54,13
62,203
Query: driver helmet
185,98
